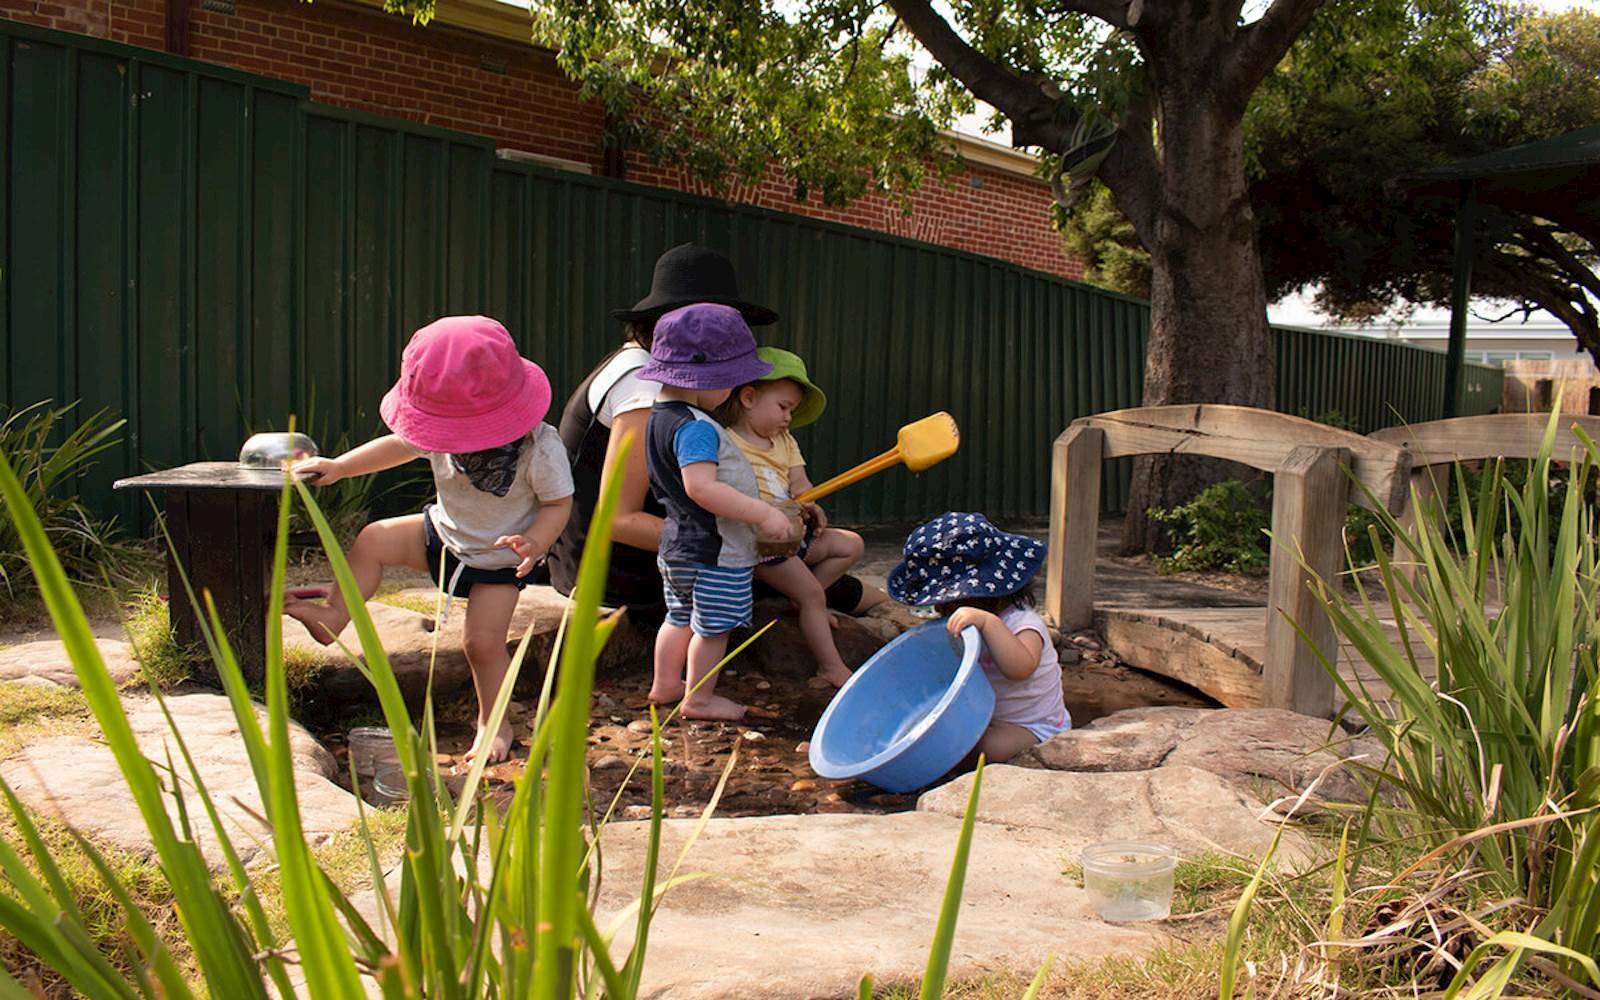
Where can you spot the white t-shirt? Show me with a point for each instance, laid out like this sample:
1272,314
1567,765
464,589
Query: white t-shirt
469,518
1037,699
617,388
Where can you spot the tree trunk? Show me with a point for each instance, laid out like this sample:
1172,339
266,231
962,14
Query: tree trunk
1209,340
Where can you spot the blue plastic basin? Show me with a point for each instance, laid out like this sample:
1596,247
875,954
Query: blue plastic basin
909,714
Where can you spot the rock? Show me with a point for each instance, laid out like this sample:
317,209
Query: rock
1266,752
1088,642
852,894
895,614
610,762
47,660
782,651
1134,740
77,780
1192,810
1277,752
408,638
1068,655
803,785
635,812
641,726
754,737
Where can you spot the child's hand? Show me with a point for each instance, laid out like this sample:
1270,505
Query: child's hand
814,516
968,616
774,527
319,471
521,546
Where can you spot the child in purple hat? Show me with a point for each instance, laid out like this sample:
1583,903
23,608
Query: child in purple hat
699,354
472,406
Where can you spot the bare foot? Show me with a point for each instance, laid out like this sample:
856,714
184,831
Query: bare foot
662,695
499,747
835,675
714,707
322,622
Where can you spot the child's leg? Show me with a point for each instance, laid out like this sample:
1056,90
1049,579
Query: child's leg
702,701
672,641
721,603
832,553
672,654
794,580
483,639
395,541
1003,741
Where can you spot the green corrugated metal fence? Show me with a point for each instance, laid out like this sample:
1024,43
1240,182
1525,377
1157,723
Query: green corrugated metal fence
206,252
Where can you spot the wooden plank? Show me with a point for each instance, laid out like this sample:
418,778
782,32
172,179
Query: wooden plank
1497,435
1261,439
1309,495
1174,653
1074,521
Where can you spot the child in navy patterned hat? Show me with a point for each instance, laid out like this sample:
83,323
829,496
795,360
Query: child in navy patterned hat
975,574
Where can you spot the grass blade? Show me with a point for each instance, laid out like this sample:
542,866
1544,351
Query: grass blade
945,933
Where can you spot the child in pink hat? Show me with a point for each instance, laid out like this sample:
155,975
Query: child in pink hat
472,406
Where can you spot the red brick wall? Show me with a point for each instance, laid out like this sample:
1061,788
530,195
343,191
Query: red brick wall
356,58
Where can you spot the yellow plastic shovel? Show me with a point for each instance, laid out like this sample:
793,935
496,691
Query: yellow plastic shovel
921,445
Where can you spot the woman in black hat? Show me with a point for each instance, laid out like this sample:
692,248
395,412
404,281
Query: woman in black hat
612,402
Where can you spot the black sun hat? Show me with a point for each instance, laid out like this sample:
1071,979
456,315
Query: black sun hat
692,273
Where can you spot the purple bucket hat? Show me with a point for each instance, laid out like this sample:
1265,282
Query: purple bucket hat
703,346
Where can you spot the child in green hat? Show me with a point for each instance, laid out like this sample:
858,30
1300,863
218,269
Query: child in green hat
760,415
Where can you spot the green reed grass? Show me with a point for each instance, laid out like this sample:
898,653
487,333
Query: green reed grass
521,925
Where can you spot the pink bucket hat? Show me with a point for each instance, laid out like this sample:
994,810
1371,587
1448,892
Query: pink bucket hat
463,387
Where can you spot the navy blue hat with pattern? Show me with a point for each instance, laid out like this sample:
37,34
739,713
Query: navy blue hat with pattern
959,555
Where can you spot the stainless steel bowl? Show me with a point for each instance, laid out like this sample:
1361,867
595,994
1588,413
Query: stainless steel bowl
271,451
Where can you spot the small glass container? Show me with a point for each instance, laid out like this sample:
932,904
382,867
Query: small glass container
1130,880
389,786
370,748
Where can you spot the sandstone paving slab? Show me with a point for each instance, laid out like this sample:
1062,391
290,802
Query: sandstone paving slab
77,780
46,660
1192,810
802,906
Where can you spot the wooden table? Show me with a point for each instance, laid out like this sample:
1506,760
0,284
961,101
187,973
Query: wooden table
222,519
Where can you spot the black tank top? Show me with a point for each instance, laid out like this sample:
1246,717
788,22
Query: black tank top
633,579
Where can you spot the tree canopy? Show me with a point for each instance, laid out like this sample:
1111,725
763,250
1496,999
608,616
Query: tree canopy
1344,115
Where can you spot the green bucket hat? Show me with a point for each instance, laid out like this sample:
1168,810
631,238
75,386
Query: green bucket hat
786,364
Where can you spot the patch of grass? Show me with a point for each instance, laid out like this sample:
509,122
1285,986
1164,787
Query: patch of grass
140,875
148,624
29,712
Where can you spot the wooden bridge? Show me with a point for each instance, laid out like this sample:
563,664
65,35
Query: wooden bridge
1254,655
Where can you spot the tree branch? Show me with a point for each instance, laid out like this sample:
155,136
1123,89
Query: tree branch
1133,173
1261,46
1033,115
1116,13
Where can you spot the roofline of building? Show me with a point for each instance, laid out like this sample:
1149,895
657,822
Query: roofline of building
506,23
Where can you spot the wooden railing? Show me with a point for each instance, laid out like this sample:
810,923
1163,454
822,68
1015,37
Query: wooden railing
1312,467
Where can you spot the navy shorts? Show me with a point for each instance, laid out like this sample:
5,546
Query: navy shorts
455,576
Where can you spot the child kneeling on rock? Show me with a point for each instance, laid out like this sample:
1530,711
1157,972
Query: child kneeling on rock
975,574
472,406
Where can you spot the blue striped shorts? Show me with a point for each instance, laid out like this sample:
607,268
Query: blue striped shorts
714,600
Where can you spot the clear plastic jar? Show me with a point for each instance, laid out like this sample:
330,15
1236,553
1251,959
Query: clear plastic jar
370,747
1130,880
